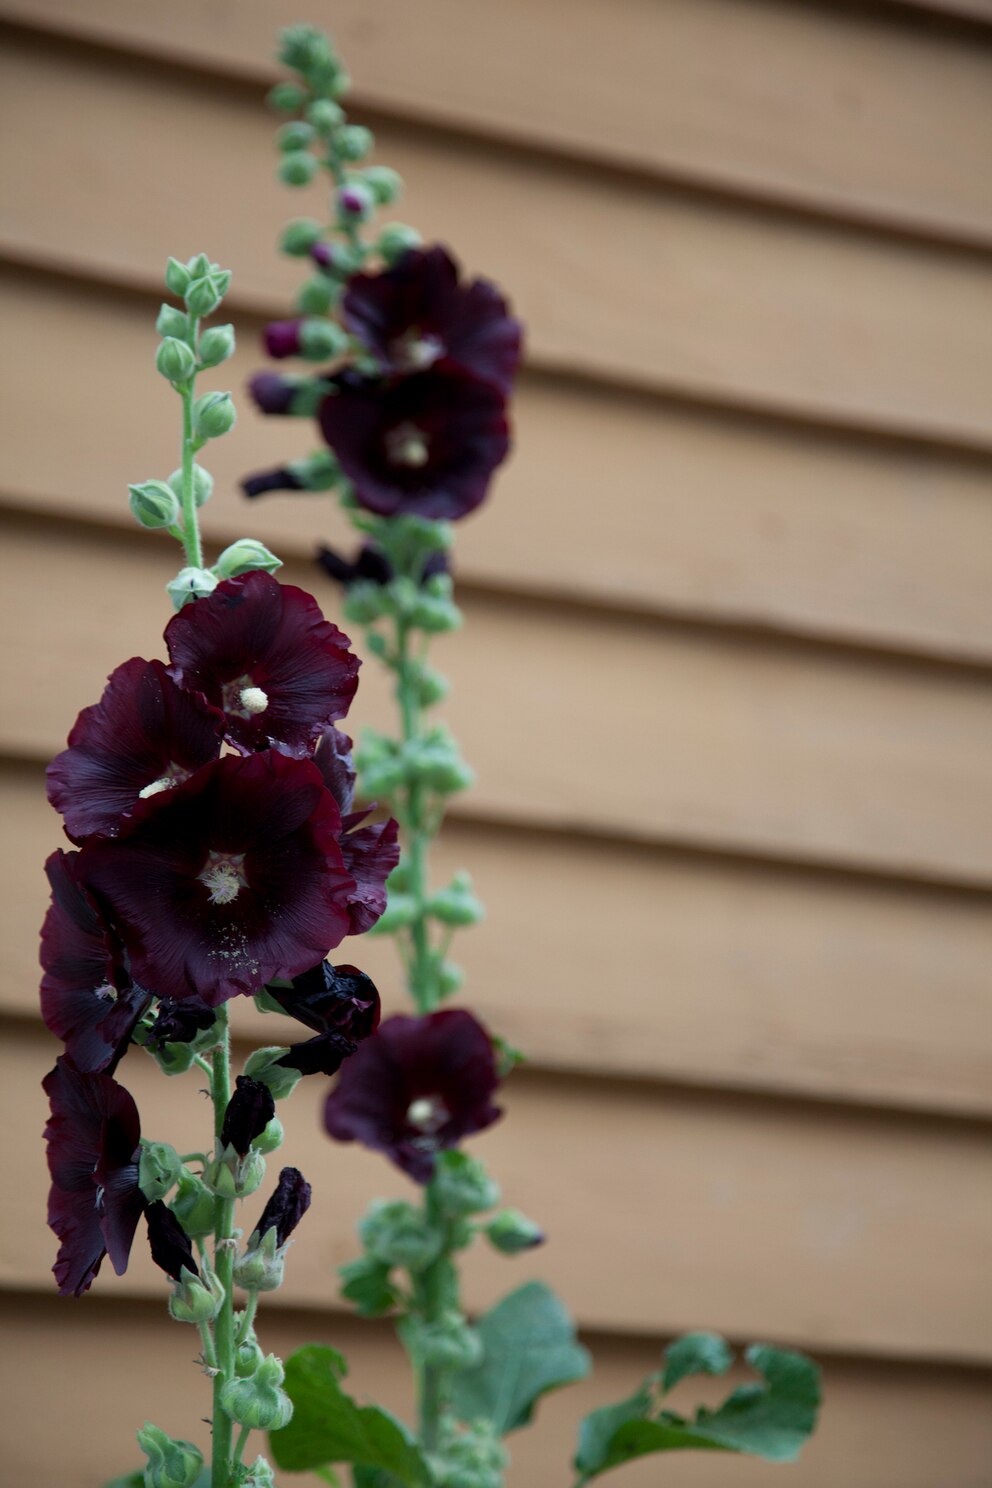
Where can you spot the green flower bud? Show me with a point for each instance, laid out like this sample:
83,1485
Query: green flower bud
397,1234
171,1463
203,484
395,239
286,98
189,584
177,276
172,322
173,1059
448,1343
398,881
264,1066
462,1185
261,1267
298,168
216,345
194,1205
364,602
354,142
175,360
435,613
244,556
325,115
234,1177
299,236
296,135
384,184
221,279
260,1475
213,415
271,1138
196,1299
379,781
158,1169
259,1402
365,1282
317,295
198,266
450,978
202,297
456,906
153,504
511,1232
355,203
247,1358
322,339
432,688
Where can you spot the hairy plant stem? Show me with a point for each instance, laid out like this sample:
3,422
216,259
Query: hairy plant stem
222,1461
191,525
430,1296
420,976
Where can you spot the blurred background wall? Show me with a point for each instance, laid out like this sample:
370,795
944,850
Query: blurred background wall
725,676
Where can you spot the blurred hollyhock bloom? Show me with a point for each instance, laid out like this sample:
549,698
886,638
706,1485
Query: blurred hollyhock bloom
235,879
248,1113
145,735
425,444
179,1022
87,996
279,478
95,1202
340,1004
282,338
417,313
420,1085
170,1245
370,565
263,653
272,393
286,1207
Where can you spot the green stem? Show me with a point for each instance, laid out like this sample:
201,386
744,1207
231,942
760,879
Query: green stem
420,976
241,1443
222,1468
248,1319
432,1377
191,522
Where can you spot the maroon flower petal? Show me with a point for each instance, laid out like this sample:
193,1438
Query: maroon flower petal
418,1086
417,313
170,1244
341,1004
235,880
427,443
333,760
248,1113
286,1207
95,1202
144,735
87,997
263,653
370,855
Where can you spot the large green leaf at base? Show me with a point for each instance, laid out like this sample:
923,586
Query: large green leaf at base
770,1420
328,1426
529,1348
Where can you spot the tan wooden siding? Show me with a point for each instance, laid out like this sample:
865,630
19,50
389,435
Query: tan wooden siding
831,1218
711,299
827,108
732,592
727,519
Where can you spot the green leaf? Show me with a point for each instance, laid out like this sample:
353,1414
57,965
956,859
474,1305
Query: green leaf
529,1348
770,1420
695,1353
328,1426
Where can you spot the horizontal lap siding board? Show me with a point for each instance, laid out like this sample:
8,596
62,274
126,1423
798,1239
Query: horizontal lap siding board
651,289
812,1226
880,1429
664,967
847,112
624,500
632,727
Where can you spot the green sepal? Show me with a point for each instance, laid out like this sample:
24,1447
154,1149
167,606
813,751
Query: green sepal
365,1283
771,1420
159,1168
328,1426
529,1347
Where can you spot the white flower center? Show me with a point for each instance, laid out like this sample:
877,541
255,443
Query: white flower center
406,445
254,700
242,699
427,1113
414,351
223,876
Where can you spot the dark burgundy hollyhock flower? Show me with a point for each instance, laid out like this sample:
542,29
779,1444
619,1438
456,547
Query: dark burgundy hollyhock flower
420,1085
416,313
87,996
273,393
263,653
333,760
248,1113
426,444
180,1022
144,736
95,1202
282,338
234,880
279,478
370,854
285,1208
372,566
170,1244
340,1004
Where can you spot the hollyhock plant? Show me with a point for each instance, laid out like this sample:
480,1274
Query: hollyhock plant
420,1086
